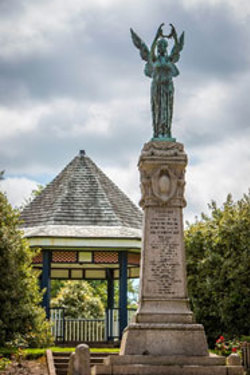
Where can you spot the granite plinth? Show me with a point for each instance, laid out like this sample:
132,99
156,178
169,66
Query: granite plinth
164,339
165,365
158,310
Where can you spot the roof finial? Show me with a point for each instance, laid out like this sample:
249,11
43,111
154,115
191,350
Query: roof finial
82,153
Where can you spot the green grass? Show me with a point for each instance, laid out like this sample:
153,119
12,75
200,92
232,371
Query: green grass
7,351
104,350
66,349
245,338
33,353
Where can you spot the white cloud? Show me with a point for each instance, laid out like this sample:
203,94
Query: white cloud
17,189
74,80
240,8
206,100
34,28
127,178
20,120
221,169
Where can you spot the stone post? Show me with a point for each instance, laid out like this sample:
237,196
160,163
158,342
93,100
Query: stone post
164,323
79,362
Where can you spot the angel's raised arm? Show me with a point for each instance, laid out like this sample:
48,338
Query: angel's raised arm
178,45
152,49
138,42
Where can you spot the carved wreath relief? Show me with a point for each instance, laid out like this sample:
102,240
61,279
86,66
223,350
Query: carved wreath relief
161,187
162,181
164,184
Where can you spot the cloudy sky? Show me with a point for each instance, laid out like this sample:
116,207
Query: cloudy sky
71,79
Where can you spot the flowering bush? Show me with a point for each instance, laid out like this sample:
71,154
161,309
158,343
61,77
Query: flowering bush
226,347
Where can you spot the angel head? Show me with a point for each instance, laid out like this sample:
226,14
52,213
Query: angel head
162,45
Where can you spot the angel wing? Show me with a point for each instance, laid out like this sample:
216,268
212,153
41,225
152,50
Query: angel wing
177,48
144,51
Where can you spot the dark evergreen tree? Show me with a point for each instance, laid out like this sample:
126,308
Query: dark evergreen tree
21,317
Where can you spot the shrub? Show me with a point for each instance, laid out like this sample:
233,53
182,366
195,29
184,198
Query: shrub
22,319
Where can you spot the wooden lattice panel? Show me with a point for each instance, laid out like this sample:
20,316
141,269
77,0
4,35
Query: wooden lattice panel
38,259
105,257
64,257
134,259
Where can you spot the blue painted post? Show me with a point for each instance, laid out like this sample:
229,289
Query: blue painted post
110,279
110,304
45,281
123,292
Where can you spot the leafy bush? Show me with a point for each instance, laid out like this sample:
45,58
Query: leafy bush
79,301
22,319
217,264
4,362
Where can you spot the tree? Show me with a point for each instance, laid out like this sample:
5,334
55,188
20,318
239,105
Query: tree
55,287
100,290
21,317
87,299
34,193
217,248
79,300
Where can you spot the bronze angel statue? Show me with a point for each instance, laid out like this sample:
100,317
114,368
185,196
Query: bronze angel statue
162,69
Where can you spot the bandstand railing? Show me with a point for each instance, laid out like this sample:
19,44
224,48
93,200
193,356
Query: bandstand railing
112,322
66,330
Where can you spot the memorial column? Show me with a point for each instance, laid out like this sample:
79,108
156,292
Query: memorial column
164,323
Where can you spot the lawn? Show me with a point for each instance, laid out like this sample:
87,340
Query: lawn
31,353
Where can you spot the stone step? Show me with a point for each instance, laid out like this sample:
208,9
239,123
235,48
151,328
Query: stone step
61,360
96,354
62,372
61,354
166,370
96,360
61,365
209,360
102,354
65,363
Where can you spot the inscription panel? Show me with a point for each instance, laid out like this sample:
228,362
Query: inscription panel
164,268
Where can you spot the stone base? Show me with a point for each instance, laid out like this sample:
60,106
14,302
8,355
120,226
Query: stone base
156,310
167,339
165,365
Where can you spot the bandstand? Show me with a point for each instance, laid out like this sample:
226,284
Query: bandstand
87,229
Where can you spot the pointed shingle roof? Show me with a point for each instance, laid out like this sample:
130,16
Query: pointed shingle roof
82,196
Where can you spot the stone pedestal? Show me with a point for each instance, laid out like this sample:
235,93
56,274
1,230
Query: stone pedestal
164,338
164,323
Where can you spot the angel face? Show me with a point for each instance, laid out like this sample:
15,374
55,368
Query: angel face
162,47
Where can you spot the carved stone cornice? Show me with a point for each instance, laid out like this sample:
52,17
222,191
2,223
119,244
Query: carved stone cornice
162,168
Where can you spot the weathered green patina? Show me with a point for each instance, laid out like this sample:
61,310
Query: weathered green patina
162,69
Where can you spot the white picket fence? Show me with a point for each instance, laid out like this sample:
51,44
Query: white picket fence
57,323
85,330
